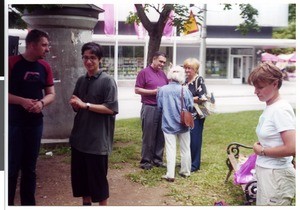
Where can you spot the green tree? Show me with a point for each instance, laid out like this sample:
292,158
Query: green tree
155,29
286,33
248,14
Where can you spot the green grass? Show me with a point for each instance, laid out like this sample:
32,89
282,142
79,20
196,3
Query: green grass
207,185
203,187
57,149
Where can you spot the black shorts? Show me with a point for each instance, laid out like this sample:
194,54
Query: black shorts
89,175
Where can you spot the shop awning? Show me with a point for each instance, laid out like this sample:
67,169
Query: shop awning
293,58
258,43
188,41
288,57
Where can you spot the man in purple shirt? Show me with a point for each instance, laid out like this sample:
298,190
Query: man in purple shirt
147,83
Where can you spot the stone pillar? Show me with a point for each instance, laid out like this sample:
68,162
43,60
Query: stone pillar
69,28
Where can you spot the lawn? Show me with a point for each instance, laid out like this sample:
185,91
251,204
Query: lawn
206,186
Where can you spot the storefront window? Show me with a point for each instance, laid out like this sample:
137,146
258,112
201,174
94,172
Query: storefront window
184,52
241,51
131,60
216,63
108,59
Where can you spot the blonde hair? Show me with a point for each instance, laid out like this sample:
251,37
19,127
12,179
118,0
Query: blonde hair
265,73
177,73
192,63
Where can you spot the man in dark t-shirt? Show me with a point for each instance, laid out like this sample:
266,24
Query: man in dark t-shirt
31,88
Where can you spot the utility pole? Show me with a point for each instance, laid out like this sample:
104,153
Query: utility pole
203,44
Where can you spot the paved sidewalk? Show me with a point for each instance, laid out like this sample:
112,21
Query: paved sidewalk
229,98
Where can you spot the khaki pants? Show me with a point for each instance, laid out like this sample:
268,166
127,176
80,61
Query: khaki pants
275,187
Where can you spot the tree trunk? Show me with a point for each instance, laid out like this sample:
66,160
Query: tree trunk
155,30
153,45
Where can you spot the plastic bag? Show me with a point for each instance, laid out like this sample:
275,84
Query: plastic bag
244,174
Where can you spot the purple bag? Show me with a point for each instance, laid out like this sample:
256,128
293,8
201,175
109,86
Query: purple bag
244,175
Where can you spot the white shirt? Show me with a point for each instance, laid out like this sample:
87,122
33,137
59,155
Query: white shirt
276,118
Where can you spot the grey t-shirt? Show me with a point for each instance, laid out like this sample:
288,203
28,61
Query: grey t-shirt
93,132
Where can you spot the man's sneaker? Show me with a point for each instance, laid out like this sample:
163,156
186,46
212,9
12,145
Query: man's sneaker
168,178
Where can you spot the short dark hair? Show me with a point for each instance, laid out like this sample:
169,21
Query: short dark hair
158,53
35,35
94,48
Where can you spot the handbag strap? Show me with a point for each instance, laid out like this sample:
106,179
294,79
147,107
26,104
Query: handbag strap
196,83
181,98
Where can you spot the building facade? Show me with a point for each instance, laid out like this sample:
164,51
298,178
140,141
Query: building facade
230,56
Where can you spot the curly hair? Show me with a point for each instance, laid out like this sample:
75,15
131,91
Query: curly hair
177,73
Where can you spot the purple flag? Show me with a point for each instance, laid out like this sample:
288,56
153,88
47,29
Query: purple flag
109,19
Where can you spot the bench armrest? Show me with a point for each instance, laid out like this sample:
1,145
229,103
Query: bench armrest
234,149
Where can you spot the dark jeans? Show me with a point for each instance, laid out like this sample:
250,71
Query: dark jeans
23,149
196,143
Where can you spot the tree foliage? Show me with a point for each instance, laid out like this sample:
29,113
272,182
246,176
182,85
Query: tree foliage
292,12
290,31
286,33
248,14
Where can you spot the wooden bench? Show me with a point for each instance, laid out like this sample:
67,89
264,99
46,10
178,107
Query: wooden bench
233,160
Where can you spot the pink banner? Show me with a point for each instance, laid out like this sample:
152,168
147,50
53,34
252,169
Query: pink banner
139,29
109,19
168,30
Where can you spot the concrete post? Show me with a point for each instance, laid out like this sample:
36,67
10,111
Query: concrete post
69,28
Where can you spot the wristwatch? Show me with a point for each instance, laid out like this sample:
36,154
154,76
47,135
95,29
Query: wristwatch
43,103
88,106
